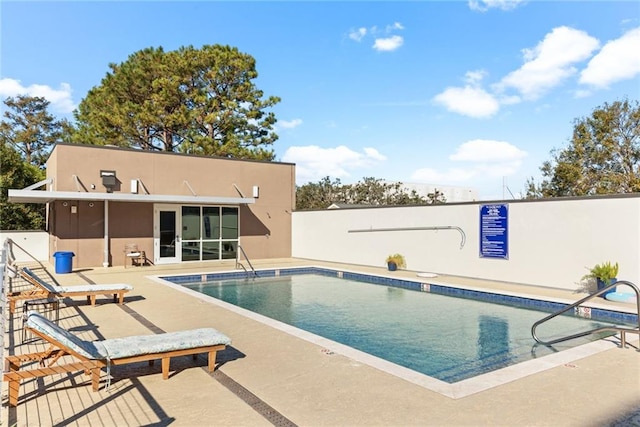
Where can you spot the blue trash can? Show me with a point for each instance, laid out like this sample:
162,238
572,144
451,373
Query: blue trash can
64,261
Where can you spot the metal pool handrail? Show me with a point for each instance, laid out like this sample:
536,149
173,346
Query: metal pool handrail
439,227
238,263
623,331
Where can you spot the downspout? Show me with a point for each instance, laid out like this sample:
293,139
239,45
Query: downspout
105,263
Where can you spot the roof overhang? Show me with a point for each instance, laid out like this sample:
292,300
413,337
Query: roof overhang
37,196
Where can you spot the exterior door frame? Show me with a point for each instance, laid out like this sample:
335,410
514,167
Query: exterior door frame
160,240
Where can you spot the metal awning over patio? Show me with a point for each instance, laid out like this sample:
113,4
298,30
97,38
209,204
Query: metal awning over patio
38,196
32,195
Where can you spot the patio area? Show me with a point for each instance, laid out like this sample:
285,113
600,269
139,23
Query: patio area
269,377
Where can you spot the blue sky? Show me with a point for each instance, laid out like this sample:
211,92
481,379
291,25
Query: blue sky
463,93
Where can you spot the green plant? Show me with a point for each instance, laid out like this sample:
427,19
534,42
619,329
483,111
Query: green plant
397,259
605,272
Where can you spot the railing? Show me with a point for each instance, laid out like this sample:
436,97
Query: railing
239,264
433,228
10,244
4,262
621,330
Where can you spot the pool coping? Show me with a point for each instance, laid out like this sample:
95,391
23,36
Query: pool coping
455,390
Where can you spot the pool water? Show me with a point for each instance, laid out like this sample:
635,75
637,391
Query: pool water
444,337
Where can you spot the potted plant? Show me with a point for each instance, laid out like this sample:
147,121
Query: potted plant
605,274
395,261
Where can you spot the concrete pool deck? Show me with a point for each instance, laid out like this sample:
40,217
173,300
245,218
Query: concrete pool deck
268,376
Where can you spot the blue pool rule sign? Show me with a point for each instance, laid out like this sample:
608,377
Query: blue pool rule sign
494,231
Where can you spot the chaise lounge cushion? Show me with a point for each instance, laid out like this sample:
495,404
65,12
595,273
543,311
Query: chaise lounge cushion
161,343
110,288
87,349
117,348
81,289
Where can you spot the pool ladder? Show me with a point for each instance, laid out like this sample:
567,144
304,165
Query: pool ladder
621,330
240,265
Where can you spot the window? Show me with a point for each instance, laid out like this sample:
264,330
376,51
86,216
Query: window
211,222
209,232
229,223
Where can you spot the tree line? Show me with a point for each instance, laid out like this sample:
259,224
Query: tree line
204,101
367,192
602,156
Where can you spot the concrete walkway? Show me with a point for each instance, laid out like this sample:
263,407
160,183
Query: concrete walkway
270,377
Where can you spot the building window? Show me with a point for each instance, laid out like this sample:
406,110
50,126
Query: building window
209,232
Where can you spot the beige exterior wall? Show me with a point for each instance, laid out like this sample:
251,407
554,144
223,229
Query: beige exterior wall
265,227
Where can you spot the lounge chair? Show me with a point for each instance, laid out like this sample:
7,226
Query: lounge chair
46,289
91,357
30,294
11,272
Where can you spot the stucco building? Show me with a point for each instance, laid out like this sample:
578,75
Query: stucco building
175,207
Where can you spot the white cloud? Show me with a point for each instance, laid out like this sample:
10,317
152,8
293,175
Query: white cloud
373,154
484,5
509,100
618,60
358,34
394,26
484,158
289,124
468,101
474,78
487,151
314,163
381,44
547,65
60,99
550,62
388,44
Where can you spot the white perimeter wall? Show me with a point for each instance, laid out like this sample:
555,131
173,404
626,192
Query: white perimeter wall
551,242
34,242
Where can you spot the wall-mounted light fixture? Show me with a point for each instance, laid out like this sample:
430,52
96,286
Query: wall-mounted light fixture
108,179
256,191
91,204
65,204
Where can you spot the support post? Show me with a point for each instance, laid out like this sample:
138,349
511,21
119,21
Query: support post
105,262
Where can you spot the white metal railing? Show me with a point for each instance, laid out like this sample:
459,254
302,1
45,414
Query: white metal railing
4,280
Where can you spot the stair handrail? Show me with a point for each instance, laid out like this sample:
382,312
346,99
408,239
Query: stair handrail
619,329
238,263
10,243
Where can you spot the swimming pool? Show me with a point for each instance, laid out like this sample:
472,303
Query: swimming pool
451,339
